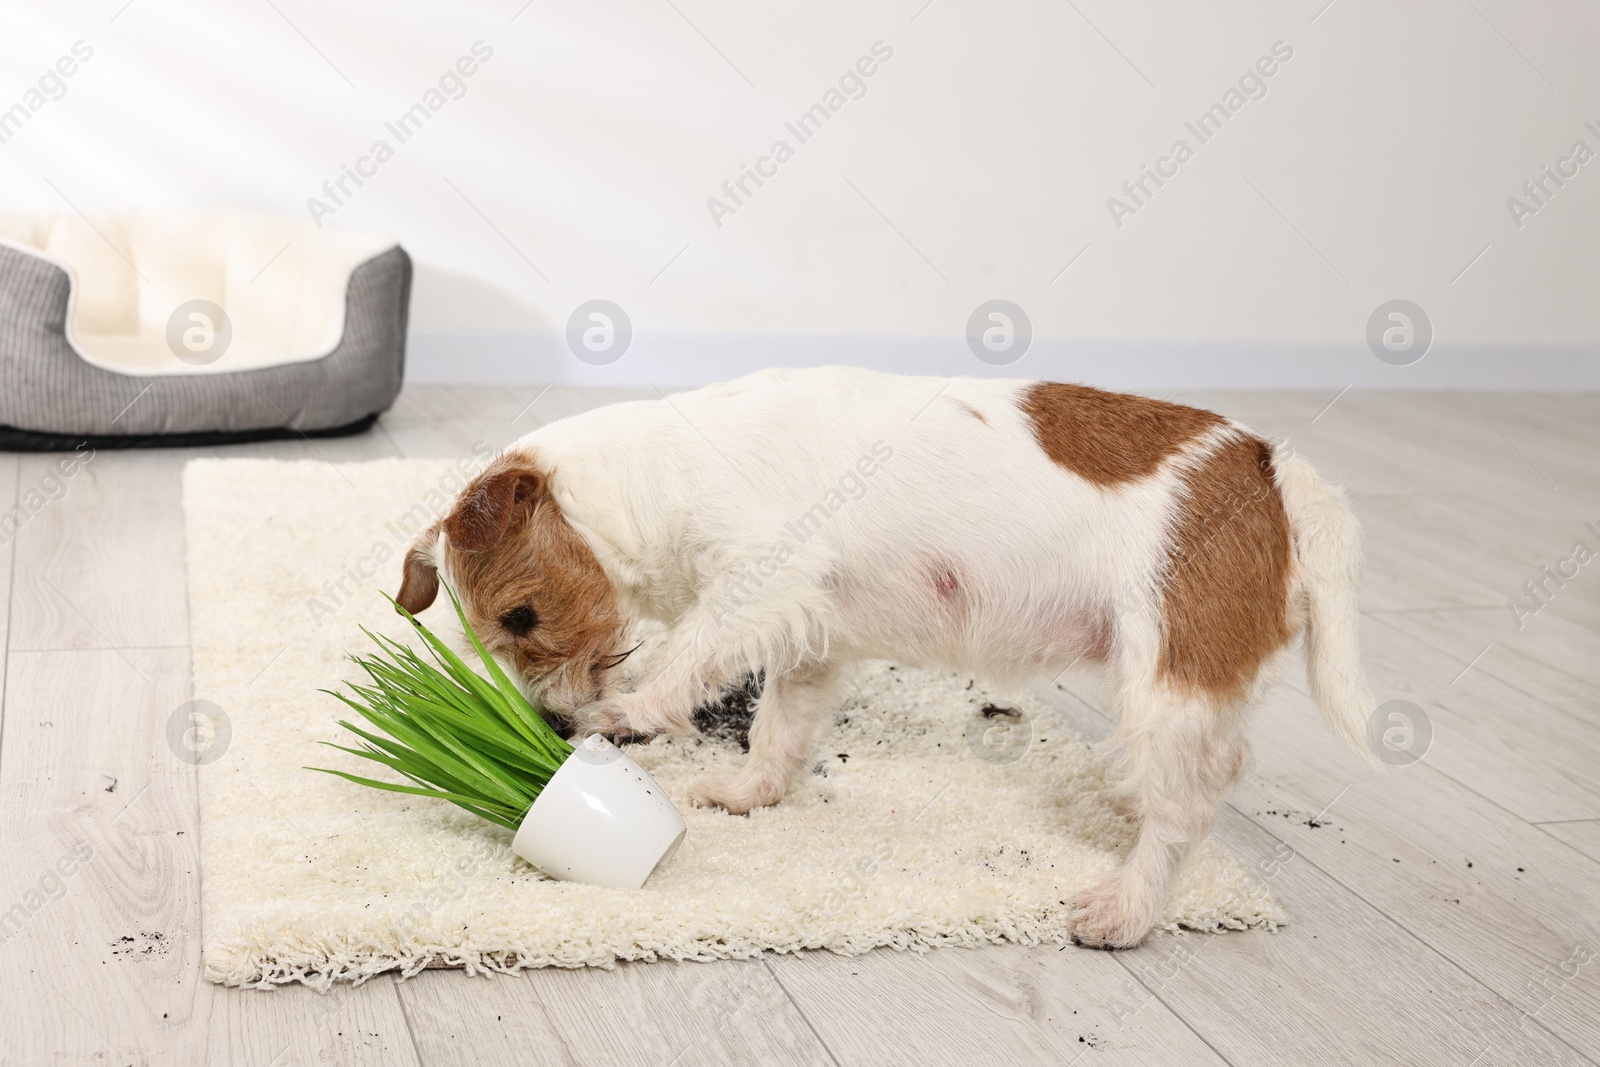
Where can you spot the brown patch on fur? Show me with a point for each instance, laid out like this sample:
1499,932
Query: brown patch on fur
487,505
974,412
1109,438
1225,601
510,547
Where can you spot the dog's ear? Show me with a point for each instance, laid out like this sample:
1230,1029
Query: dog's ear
419,583
484,513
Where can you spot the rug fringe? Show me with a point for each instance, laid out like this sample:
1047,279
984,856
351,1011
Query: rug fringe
253,970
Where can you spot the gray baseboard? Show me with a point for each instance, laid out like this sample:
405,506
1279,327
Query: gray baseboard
679,359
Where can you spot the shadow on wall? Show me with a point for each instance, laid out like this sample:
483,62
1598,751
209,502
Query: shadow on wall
443,296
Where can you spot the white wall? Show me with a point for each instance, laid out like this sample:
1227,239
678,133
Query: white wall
977,165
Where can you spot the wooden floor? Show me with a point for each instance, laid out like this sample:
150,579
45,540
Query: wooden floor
1446,912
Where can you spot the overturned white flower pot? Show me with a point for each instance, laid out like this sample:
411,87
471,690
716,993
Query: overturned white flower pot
600,820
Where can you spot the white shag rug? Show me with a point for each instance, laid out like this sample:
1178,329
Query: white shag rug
903,836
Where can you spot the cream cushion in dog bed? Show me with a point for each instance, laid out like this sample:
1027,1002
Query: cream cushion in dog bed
317,321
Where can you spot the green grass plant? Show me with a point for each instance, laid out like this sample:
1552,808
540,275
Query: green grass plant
475,741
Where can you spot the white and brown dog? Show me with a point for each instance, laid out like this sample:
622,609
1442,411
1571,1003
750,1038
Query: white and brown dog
792,521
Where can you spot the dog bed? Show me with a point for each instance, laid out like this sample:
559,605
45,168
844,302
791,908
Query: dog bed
194,328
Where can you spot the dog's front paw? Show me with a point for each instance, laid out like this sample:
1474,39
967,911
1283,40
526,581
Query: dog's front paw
1108,917
608,718
630,717
737,795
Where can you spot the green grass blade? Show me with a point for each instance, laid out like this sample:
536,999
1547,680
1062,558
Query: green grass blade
408,762
514,699
441,748
532,726
425,744
475,742
504,816
495,740
513,711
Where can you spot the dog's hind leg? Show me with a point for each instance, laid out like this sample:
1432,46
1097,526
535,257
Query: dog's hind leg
791,714
1194,646
1178,757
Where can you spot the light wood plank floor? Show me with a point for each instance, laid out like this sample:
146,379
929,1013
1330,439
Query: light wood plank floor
1443,913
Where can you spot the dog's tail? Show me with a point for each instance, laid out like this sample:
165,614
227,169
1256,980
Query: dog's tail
1327,555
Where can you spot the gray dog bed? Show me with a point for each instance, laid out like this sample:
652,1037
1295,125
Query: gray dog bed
197,328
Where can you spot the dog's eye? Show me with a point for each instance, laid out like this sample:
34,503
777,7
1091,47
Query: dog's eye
519,620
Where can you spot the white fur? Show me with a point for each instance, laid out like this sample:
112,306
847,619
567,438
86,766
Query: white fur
1327,550
691,503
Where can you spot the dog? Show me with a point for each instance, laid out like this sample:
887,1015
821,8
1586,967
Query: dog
793,521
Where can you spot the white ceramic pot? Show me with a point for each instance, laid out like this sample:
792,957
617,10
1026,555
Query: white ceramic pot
601,820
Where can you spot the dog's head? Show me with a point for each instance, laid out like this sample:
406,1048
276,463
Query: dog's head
529,584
